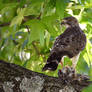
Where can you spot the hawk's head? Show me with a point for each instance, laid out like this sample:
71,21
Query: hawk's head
70,22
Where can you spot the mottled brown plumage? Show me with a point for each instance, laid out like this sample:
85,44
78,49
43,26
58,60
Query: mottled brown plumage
70,43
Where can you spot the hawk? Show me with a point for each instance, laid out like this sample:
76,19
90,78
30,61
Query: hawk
70,43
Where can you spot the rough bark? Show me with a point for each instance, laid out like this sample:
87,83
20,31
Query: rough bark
14,78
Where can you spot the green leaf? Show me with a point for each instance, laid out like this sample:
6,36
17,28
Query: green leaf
88,89
41,34
89,1
4,7
60,7
47,38
88,56
36,1
90,72
49,7
49,22
37,30
24,44
18,19
34,8
8,12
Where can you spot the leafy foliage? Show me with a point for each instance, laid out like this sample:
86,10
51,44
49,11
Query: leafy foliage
28,29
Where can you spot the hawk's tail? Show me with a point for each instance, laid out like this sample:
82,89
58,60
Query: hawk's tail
50,66
52,61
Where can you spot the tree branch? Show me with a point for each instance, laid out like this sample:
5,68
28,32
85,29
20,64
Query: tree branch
14,78
26,18
4,24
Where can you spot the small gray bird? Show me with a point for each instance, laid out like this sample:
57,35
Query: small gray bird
70,43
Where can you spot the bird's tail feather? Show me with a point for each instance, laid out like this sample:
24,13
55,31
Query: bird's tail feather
52,66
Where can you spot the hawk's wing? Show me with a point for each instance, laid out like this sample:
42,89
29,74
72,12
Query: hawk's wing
70,43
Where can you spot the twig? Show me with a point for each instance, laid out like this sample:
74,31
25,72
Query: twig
28,29
36,49
4,24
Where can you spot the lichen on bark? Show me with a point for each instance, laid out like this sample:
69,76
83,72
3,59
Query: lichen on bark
33,84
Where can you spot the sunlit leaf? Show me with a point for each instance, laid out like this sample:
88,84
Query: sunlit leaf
41,34
49,22
47,38
18,19
37,31
60,7
88,55
49,8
